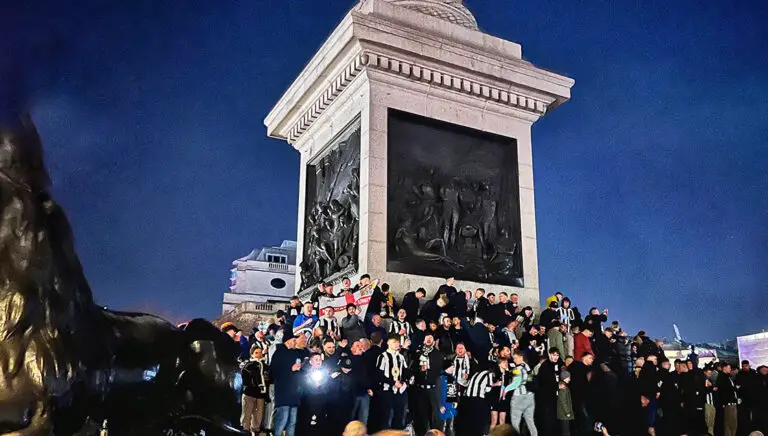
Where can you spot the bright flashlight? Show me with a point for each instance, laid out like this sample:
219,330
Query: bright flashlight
317,376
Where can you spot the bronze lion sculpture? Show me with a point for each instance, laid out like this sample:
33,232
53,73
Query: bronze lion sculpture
69,366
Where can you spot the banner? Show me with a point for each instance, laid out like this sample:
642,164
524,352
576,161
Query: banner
360,299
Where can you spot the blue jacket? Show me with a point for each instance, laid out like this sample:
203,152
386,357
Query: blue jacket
301,319
450,411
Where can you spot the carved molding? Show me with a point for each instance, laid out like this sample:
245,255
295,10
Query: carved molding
417,73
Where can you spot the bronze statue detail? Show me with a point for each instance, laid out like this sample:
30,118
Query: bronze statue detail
333,211
453,202
68,365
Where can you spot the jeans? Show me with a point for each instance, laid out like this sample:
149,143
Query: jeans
523,406
360,407
285,419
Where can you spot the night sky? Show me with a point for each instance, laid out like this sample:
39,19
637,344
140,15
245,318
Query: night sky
650,183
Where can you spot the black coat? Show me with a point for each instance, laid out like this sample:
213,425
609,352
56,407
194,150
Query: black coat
411,306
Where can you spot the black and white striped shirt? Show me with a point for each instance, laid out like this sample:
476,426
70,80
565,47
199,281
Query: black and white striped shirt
396,326
393,366
480,384
462,370
331,326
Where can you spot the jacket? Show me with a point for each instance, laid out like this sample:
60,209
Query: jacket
287,382
581,345
564,404
556,341
352,328
255,380
449,411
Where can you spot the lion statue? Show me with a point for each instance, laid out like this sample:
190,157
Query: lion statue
69,366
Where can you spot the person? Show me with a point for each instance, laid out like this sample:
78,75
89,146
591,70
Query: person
595,319
355,428
556,335
346,287
746,383
480,305
579,389
568,315
499,395
401,327
474,406
582,344
522,403
549,315
351,327
315,386
727,401
305,322
255,392
411,304
375,325
361,388
564,404
426,370
284,371
329,322
392,373
547,383
603,347
449,397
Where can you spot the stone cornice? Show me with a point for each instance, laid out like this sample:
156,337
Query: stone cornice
412,71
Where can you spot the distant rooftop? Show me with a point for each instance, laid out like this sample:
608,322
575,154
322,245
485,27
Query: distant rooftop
286,248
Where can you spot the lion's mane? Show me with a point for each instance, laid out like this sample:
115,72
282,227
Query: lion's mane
45,301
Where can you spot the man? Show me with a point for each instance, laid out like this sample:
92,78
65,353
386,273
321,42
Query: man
604,350
549,315
315,387
329,322
746,383
581,343
255,392
568,315
346,287
376,326
579,387
727,401
433,309
514,301
523,402
284,371
305,322
401,327
352,328
556,337
365,284
480,305
548,383
411,304
392,373
426,370
447,288
462,368
474,407
362,385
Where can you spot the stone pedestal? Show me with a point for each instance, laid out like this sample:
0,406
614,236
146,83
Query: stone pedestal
414,59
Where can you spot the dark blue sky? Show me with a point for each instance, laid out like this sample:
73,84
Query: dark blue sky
650,183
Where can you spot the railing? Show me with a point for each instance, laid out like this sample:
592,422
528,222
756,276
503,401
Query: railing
249,306
278,266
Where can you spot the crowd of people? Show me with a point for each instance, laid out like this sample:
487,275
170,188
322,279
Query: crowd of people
471,363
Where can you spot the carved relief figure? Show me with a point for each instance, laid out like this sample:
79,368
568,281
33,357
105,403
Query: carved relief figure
453,202
332,220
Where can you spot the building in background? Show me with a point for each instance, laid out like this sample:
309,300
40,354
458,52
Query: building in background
754,348
260,284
